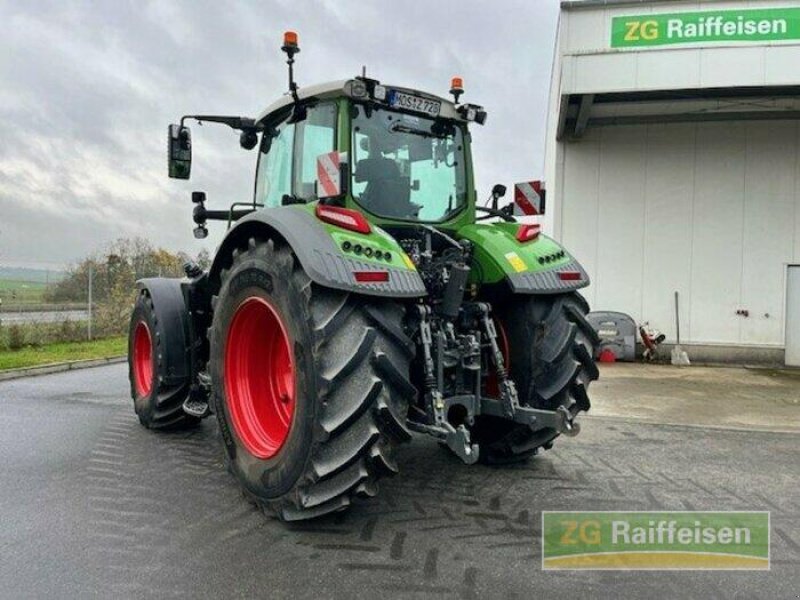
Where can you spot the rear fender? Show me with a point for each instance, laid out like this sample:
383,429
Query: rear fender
172,326
317,247
539,266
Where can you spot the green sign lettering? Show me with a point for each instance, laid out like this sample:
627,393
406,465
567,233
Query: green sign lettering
748,25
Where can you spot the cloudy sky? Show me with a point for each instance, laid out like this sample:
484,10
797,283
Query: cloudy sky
87,90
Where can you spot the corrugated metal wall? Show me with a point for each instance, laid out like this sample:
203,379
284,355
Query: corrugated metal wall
711,210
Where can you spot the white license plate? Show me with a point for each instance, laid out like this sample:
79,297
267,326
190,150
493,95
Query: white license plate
415,103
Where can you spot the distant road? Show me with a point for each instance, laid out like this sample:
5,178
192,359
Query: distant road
44,316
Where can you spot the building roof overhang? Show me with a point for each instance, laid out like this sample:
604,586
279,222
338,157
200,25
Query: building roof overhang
578,112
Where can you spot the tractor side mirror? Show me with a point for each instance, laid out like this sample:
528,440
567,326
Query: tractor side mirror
179,151
331,175
498,191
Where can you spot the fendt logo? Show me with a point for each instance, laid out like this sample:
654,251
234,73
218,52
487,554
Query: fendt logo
772,24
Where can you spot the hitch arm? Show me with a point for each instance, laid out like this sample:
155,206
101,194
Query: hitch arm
560,419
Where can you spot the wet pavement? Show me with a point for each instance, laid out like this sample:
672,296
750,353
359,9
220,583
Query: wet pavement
726,397
93,505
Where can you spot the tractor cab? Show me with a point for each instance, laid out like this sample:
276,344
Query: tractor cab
383,171
398,155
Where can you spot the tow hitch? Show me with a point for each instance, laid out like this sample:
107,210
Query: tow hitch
560,419
458,439
507,406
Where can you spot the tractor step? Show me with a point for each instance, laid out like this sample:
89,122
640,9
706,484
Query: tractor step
196,408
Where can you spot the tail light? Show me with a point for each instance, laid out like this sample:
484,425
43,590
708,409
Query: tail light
569,275
371,276
527,233
343,217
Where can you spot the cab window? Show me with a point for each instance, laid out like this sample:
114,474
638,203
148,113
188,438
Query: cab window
316,135
406,166
274,175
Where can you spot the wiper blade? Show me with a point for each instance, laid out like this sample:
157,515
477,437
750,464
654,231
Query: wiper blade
420,132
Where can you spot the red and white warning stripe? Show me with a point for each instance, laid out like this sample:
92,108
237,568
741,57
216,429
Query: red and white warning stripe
329,178
529,198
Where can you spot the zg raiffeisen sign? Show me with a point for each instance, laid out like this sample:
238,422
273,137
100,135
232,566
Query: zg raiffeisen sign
697,540
714,26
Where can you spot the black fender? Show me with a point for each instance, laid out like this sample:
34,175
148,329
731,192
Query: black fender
172,327
319,256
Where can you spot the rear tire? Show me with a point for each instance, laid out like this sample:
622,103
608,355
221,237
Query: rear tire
551,363
341,373
157,397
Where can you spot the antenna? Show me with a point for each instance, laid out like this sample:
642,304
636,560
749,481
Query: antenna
291,48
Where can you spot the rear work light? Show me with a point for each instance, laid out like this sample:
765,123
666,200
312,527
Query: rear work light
343,217
371,276
527,233
472,112
569,275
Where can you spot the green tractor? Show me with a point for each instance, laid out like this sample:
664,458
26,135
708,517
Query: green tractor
363,294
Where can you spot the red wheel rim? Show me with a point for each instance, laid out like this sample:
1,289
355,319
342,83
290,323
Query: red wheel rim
142,359
259,377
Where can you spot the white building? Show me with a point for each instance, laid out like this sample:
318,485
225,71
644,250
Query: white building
673,164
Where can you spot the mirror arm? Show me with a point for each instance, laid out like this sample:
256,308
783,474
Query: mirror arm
493,212
203,214
240,123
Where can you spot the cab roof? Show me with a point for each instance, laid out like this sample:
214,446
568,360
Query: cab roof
340,88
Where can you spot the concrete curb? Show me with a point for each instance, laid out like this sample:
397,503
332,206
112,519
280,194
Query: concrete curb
60,367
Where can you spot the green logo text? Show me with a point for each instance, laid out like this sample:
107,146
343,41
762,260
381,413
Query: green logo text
771,24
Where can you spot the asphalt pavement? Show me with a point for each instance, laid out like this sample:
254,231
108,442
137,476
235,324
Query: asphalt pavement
93,505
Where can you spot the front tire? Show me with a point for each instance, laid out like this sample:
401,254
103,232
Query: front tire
310,385
551,355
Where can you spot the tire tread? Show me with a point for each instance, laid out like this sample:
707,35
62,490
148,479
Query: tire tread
359,422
